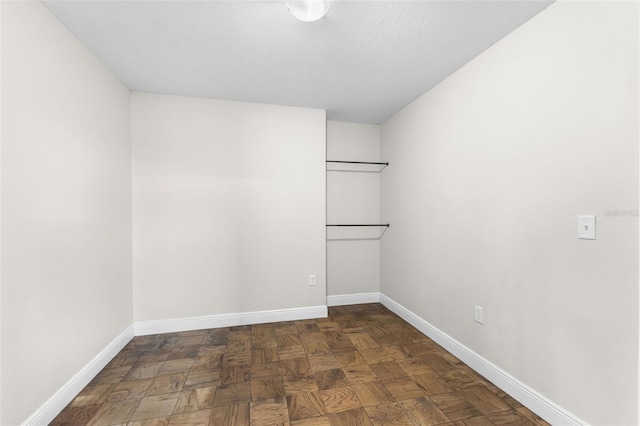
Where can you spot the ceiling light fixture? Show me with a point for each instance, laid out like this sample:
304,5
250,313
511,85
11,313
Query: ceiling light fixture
308,10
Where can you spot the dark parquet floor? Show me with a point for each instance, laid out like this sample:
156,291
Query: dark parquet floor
363,365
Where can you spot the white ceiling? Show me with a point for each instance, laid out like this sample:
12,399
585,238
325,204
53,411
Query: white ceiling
362,63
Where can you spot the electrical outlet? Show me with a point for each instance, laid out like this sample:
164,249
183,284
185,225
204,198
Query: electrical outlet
312,280
479,314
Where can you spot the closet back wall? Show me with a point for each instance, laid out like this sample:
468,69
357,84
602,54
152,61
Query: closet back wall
228,207
353,196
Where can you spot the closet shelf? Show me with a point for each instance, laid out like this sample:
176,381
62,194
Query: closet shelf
358,162
386,225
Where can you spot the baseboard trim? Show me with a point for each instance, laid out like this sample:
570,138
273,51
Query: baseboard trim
353,299
539,404
59,400
228,320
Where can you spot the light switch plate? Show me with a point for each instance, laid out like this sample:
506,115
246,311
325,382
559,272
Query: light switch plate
479,314
587,227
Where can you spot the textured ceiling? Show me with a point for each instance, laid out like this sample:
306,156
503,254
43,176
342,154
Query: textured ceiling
362,63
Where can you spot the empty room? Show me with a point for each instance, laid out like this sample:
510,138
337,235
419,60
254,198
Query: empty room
319,212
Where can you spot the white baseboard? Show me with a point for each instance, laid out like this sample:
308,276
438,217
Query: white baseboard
539,404
228,320
533,400
59,400
353,299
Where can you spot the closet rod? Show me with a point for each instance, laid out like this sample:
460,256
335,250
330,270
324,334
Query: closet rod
356,162
378,224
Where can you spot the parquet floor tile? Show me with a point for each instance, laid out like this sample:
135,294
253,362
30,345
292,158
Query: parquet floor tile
300,383
198,379
155,406
455,406
232,394
235,414
349,358
432,384
193,418
388,370
265,369
323,362
269,412
92,395
340,399
305,405
356,417
331,379
388,414
360,374
374,393
267,388
403,388
195,400
130,390
295,366
423,411
362,365
313,421
167,384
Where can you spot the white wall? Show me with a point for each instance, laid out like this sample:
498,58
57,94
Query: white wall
353,196
490,171
66,208
0,215
229,207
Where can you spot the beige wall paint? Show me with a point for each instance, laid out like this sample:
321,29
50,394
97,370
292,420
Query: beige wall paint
229,207
66,208
490,171
353,196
